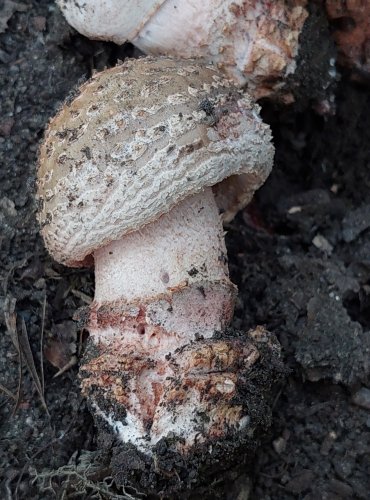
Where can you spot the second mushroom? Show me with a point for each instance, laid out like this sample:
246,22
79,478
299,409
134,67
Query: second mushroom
136,174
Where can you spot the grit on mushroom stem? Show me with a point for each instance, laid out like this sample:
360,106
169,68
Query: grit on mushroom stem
157,291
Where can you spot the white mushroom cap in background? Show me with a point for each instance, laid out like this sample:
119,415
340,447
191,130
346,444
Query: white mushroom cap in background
253,42
138,139
113,20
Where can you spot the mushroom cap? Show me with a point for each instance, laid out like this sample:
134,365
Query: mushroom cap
135,141
254,42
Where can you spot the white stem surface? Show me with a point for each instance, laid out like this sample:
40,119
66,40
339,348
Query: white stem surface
183,247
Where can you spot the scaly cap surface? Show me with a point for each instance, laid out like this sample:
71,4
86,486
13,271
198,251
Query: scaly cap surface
136,140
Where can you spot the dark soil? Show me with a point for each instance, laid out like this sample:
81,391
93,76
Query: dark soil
300,255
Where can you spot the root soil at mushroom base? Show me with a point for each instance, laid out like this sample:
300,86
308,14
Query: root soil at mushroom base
319,441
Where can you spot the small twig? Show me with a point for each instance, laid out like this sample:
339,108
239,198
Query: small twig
7,392
11,324
6,278
11,320
28,356
19,388
277,397
83,296
42,345
72,362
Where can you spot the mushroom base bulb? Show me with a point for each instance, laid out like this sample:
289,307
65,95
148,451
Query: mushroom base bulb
159,367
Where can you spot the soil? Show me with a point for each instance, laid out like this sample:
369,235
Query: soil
300,255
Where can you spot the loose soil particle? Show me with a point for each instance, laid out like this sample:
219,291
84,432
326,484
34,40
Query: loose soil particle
316,302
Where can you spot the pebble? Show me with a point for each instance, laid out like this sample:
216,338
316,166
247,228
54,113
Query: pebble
355,222
39,23
301,482
279,445
328,443
340,488
344,467
322,244
362,398
6,126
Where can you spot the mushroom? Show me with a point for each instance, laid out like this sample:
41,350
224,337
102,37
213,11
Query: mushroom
254,42
135,174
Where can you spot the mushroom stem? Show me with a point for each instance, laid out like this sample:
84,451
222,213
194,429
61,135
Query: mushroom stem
162,290
183,248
